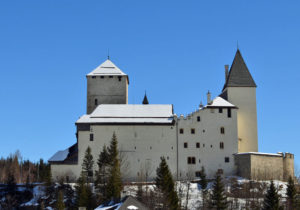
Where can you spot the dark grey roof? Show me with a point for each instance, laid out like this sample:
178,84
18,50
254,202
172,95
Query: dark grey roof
239,75
145,101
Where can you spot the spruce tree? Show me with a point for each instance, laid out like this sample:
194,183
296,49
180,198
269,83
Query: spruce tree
87,165
218,198
203,184
271,201
84,194
60,201
165,184
114,186
102,175
291,194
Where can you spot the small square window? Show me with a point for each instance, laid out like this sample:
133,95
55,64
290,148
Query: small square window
198,118
197,173
229,113
181,131
226,159
110,76
94,77
91,137
222,130
120,78
102,77
211,146
197,145
185,145
191,160
193,131
220,110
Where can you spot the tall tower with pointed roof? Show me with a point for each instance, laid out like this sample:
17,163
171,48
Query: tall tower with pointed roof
106,84
240,90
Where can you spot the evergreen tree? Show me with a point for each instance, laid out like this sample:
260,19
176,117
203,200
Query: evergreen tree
114,185
102,175
88,164
218,198
291,193
203,184
84,194
60,201
165,184
11,183
271,201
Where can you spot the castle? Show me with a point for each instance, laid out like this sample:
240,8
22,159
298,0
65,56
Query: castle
220,136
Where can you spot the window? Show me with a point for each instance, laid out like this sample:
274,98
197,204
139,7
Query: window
91,137
94,77
191,160
193,131
203,131
181,131
167,157
226,159
96,102
197,145
185,145
110,76
199,161
211,146
102,77
197,173
134,147
220,110
229,113
203,145
198,118
221,145
150,147
120,78
172,148
222,130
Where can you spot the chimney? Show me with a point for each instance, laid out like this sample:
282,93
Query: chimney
226,71
208,98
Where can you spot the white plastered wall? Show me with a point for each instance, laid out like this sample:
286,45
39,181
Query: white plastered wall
245,99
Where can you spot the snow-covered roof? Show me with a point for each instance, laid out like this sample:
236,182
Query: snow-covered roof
107,68
260,153
60,155
220,102
129,113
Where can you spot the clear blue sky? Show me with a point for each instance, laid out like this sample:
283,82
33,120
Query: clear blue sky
176,50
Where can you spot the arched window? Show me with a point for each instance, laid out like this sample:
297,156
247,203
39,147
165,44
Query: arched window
222,130
96,102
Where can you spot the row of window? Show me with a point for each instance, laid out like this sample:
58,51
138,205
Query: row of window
192,160
102,77
193,131
185,145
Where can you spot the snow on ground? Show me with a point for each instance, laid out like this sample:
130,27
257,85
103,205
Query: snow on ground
38,192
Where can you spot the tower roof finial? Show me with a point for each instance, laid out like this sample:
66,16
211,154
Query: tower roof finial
108,54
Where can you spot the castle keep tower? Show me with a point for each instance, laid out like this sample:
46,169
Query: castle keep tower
240,90
106,84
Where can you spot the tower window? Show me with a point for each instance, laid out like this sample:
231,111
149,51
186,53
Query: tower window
193,131
221,145
96,102
185,145
197,145
220,110
120,78
102,77
198,118
226,159
91,137
191,160
229,113
94,77
222,130
110,76
181,131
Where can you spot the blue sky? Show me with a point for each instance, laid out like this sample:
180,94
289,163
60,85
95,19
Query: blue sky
176,50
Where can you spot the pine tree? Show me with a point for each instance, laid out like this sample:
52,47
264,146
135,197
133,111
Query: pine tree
203,185
218,198
291,194
60,201
271,201
87,165
165,184
102,174
114,186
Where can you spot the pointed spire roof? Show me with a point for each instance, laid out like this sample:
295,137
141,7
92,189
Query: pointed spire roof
107,68
239,75
145,101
